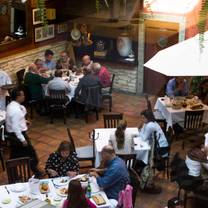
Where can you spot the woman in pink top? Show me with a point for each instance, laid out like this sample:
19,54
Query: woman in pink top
76,197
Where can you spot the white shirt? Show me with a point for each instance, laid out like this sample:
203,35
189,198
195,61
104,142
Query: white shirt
128,147
193,166
147,131
15,119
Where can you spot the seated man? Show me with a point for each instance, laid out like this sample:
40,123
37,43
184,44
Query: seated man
102,73
177,87
33,81
115,176
49,64
65,62
87,62
4,80
57,83
88,80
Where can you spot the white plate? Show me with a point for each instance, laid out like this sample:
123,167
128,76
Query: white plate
60,193
61,181
18,187
20,202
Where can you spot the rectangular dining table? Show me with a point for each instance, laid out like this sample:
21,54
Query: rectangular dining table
102,137
173,116
9,192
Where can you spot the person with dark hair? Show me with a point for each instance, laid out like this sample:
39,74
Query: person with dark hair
49,64
147,128
16,126
122,140
76,197
57,83
62,162
115,175
203,91
177,87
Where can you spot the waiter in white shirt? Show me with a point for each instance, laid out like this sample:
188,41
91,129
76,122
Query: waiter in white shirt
4,80
16,126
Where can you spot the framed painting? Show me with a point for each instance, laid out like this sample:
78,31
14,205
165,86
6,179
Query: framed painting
37,16
44,33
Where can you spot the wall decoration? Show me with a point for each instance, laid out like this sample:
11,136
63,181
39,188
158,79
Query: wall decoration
3,9
37,16
44,33
61,28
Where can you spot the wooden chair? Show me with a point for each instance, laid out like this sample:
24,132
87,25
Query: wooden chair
107,93
111,120
85,153
18,170
158,116
58,103
130,160
192,122
20,77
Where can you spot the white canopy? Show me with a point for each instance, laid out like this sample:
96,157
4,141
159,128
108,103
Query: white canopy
182,59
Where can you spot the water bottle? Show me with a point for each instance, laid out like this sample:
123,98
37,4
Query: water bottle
89,190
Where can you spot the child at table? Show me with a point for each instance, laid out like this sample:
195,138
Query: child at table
76,197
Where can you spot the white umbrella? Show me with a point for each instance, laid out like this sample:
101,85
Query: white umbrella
182,59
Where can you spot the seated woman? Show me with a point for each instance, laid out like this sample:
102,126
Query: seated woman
62,162
147,128
76,197
121,140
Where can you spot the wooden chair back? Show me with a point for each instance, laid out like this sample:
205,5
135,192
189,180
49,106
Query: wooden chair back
57,97
20,76
193,119
18,170
111,85
149,105
111,120
130,159
71,140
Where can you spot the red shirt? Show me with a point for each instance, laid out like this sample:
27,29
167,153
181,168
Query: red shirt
104,77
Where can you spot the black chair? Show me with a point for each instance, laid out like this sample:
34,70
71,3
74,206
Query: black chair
111,120
20,77
192,123
85,153
58,102
18,170
158,116
130,159
107,93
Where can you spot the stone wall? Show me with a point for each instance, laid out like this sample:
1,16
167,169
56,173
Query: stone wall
125,76
14,63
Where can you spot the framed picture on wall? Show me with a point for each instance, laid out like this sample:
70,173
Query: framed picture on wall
37,16
44,33
62,28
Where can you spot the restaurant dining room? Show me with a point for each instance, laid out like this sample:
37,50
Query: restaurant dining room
103,104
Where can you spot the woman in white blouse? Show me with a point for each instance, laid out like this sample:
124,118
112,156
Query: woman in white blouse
147,129
122,140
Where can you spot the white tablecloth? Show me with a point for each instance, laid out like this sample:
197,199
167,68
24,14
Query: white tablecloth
14,196
102,137
173,116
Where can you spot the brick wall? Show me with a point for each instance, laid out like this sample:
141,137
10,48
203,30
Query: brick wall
19,61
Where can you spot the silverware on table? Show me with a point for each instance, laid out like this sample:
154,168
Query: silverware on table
7,189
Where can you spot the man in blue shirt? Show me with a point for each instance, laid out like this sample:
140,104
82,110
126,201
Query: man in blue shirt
115,175
177,87
49,64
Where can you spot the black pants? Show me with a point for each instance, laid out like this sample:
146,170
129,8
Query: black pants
18,150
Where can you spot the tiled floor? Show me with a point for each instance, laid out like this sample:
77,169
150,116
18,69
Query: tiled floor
46,138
